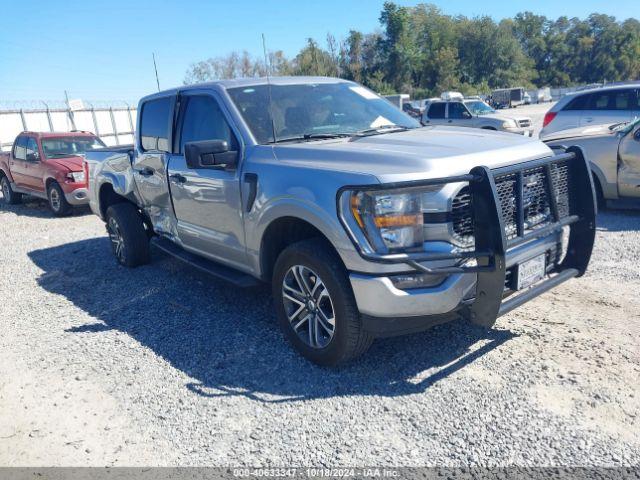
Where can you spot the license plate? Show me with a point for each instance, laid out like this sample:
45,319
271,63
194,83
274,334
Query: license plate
531,271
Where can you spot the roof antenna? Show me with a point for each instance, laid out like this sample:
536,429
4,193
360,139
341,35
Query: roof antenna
267,64
156,69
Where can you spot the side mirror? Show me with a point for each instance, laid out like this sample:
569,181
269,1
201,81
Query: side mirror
32,157
209,154
466,115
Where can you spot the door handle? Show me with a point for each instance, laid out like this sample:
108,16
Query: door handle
588,120
145,172
177,178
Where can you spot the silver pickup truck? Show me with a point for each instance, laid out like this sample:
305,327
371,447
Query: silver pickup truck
366,223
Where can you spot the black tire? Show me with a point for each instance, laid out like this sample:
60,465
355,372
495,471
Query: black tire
57,201
9,197
349,339
128,237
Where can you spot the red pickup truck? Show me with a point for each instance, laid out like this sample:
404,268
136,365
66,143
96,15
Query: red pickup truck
49,166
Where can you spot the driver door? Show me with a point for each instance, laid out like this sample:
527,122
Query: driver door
207,198
33,166
459,115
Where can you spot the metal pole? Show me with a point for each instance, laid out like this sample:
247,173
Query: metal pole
95,121
130,119
48,117
69,112
24,121
114,126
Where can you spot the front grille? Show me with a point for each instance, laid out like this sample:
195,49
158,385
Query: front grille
533,211
524,123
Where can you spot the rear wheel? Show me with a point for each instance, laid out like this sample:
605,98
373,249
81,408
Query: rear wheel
57,201
9,196
315,304
128,237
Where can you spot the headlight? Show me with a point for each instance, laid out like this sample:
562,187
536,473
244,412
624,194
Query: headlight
509,124
76,177
391,220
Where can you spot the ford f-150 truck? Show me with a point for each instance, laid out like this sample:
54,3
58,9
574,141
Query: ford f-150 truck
47,165
366,223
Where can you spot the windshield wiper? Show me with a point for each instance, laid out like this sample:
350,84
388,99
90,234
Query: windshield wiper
313,136
380,130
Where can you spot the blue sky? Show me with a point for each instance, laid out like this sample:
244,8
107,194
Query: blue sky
102,50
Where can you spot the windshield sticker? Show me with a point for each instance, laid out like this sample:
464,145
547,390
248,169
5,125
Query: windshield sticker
364,93
381,122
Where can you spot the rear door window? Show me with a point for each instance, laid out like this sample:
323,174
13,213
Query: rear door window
436,110
154,124
578,103
611,100
20,148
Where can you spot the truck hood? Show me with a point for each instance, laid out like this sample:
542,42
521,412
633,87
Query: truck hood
588,131
73,164
423,153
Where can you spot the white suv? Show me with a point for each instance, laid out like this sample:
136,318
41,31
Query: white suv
591,107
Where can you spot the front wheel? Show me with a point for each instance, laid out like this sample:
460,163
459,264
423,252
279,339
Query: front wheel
315,304
57,201
9,196
129,240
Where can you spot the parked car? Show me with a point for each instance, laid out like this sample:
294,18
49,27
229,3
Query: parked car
49,166
606,105
365,223
475,114
613,153
508,97
412,110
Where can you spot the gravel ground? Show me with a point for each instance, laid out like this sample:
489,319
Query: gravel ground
100,365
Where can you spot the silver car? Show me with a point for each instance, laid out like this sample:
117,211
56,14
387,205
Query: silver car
365,223
476,114
606,105
613,153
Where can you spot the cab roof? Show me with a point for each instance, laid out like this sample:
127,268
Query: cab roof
247,82
73,133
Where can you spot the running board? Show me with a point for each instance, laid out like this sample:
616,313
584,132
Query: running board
625,203
214,269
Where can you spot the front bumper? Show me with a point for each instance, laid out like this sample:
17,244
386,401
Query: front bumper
77,197
526,131
478,292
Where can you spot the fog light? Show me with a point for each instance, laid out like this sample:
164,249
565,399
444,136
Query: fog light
409,281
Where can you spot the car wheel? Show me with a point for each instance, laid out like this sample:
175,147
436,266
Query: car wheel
315,304
128,237
8,195
57,201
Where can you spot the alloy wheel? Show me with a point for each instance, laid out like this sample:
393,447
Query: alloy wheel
117,240
54,199
5,190
308,306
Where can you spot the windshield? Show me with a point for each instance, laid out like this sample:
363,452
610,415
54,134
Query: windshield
478,107
320,110
56,147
